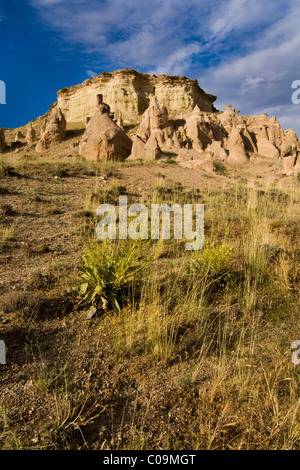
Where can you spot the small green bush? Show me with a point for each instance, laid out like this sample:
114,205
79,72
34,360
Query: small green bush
109,194
5,168
220,168
109,266
212,263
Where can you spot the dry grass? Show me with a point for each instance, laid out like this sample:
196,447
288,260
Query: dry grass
198,357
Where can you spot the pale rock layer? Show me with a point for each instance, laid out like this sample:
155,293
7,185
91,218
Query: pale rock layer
128,91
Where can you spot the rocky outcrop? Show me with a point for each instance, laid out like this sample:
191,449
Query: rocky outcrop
154,133
129,92
288,165
53,131
289,156
267,149
103,138
217,152
118,118
236,148
248,140
2,141
151,149
19,137
230,118
142,116
30,135
226,137
197,129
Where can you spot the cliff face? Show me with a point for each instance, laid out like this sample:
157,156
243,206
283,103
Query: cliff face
128,91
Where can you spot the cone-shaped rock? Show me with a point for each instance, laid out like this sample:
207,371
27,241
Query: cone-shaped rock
53,131
104,139
236,148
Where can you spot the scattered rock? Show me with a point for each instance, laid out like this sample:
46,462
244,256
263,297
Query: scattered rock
89,314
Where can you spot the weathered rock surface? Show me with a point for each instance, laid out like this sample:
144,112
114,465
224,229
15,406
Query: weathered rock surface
227,137
103,138
288,165
230,118
267,149
118,118
19,137
217,151
30,135
154,133
236,148
53,130
152,150
198,130
128,91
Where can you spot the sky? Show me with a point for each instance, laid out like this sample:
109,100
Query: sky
246,52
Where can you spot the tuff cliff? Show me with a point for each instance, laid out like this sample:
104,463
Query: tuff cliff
129,91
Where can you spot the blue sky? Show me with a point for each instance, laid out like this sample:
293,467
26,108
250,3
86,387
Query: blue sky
247,52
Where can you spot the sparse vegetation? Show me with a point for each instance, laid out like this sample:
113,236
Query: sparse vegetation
220,168
5,168
108,267
192,350
6,234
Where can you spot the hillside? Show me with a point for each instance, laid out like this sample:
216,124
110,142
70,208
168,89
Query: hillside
139,344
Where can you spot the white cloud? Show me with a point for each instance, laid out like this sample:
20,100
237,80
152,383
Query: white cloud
178,62
232,15
47,3
150,35
260,80
243,16
244,51
91,74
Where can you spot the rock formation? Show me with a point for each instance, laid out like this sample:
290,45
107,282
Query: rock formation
217,152
201,129
154,132
248,140
236,148
267,149
19,137
53,131
230,118
103,138
128,91
127,114
288,165
196,130
118,118
227,137
2,141
30,135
